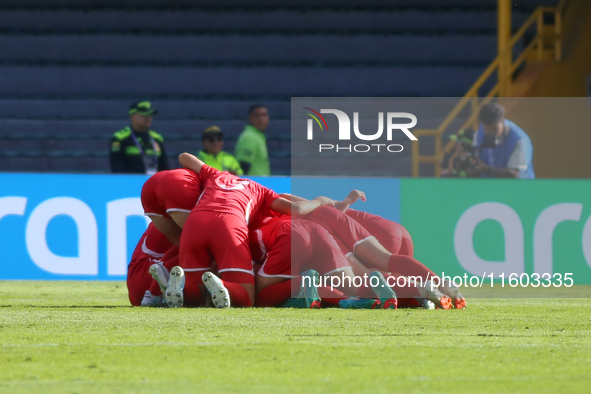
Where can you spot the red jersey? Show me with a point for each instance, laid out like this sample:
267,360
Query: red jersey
263,238
153,244
227,193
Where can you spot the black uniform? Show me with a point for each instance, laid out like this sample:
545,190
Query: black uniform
137,152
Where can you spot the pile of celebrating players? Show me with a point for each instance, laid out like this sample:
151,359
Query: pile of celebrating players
217,240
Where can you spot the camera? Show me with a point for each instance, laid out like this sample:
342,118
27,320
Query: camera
463,158
490,141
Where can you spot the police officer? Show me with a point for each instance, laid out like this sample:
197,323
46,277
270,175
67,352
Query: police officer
136,149
213,155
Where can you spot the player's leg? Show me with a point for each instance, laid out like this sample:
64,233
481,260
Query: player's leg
341,226
407,247
194,259
404,266
229,248
393,236
138,280
334,267
372,254
161,271
149,250
386,231
273,291
279,277
179,217
168,227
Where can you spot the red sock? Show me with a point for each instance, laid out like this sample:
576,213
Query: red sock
192,293
408,266
155,288
274,294
331,296
238,295
408,289
409,303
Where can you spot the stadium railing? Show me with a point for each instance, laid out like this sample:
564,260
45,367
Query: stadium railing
545,45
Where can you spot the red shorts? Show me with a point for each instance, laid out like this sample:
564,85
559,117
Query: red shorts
150,249
393,236
173,190
223,237
301,245
341,227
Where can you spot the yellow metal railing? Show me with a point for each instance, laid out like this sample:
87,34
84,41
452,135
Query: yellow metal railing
545,45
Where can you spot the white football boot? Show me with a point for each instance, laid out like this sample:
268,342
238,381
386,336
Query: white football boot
153,301
160,275
219,294
174,291
433,294
453,292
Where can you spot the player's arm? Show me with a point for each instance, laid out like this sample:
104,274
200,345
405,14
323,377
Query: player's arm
292,197
353,196
189,161
299,208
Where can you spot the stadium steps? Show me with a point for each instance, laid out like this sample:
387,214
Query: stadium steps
277,147
296,4
107,128
97,109
301,82
91,164
314,48
198,20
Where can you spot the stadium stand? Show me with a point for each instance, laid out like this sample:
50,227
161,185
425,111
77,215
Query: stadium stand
68,73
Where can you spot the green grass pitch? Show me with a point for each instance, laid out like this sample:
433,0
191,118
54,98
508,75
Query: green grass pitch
82,337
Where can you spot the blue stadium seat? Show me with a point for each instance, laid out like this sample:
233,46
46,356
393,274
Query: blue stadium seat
68,73
273,3
279,20
286,82
117,109
70,129
345,49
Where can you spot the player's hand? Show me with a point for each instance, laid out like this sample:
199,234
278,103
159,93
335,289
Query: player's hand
325,201
355,195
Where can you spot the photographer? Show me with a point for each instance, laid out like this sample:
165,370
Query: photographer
505,150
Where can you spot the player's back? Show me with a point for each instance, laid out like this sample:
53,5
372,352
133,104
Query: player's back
227,193
262,238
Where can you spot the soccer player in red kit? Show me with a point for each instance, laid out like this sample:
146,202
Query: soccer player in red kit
217,230
365,253
168,197
393,236
288,247
149,250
